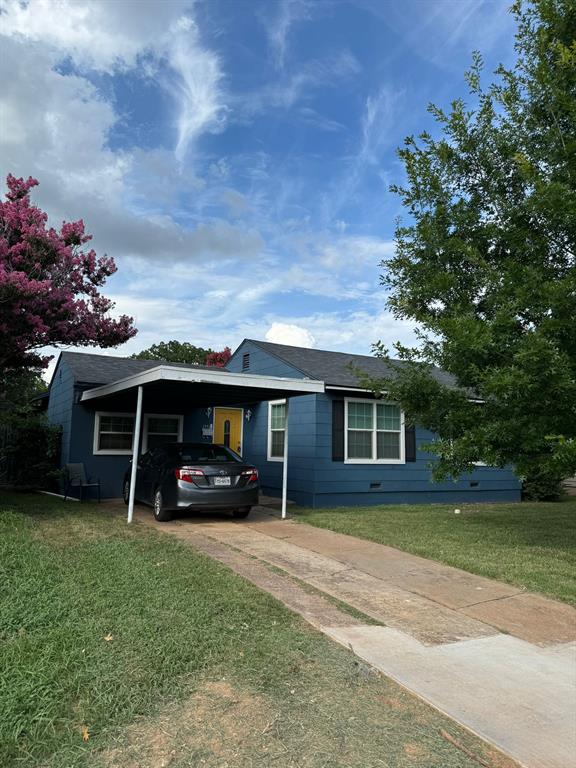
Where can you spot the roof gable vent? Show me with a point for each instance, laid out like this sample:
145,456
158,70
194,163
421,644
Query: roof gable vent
246,362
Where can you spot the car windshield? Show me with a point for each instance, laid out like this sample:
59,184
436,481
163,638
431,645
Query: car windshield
205,454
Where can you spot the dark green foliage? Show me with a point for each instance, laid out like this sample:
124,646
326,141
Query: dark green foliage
29,446
486,266
18,388
30,454
174,352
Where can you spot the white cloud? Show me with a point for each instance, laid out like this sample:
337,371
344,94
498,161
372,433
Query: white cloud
342,331
353,251
381,109
56,127
379,114
55,121
236,202
289,12
111,36
95,34
312,117
288,333
198,88
294,86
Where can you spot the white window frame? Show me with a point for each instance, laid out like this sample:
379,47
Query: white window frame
128,452
110,451
401,460
269,449
148,416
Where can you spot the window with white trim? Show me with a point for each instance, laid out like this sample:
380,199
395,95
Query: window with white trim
113,433
276,429
161,428
374,432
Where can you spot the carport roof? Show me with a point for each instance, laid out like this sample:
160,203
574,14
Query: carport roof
90,368
211,386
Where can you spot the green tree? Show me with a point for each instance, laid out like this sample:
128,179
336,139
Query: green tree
175,352
29,446
485,266
18,388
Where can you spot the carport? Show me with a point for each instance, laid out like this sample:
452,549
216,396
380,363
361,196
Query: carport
201,387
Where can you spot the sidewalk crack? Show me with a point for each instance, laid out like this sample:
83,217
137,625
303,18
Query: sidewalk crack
491,600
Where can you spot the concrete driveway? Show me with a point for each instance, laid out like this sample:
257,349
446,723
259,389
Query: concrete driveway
500,661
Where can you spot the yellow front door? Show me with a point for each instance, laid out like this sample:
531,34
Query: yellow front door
228,428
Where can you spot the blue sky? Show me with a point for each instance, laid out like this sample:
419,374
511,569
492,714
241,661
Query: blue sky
234,156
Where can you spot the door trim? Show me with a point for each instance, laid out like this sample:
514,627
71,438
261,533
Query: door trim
222,408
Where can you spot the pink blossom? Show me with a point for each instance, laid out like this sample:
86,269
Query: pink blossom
219,359
49,285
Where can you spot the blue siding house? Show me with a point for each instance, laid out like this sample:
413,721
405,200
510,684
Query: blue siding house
345,448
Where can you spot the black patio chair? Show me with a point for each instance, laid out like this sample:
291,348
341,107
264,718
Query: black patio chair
75,477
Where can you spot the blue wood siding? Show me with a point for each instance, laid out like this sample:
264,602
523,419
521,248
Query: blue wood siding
301,449
340,484
315,480
110,469
60,406
302,418
261,363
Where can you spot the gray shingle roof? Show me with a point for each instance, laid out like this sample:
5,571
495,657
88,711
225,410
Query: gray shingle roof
88,368
320,364
333,367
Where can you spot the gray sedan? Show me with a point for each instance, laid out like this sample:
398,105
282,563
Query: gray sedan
194,476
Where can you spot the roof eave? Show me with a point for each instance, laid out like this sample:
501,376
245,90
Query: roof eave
217,376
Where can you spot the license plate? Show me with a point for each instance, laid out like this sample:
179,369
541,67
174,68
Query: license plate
221,481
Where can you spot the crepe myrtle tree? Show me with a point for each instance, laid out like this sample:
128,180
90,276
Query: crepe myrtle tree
485,266
219,359
49,285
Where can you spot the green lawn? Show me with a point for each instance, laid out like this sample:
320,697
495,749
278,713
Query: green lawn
123,647
531,545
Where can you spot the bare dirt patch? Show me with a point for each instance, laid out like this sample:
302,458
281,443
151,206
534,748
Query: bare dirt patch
415,751
224,725
213,727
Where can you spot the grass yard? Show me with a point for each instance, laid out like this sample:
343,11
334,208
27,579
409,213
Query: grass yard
123,648
531,545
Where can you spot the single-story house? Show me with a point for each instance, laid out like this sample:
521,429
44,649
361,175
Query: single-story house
345,447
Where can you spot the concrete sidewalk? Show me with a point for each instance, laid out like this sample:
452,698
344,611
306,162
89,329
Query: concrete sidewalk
499,661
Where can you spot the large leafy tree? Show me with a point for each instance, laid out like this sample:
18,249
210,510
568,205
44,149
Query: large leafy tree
49,286
184,352
174,352
486,263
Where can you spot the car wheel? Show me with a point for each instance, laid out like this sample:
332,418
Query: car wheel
160,513
241,513
126,491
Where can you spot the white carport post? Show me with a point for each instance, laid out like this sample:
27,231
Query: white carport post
285,464
135,452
